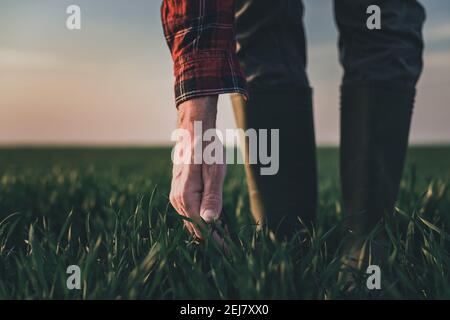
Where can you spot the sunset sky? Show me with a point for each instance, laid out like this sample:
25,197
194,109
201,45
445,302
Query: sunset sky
111,82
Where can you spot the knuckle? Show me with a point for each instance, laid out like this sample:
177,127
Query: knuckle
187,194
185,198
172,199
212,200
212,197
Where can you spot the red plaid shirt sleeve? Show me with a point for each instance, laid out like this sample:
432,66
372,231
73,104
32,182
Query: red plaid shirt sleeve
200,36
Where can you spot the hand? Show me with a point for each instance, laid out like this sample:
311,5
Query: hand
196,190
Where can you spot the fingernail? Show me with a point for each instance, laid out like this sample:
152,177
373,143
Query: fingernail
209,215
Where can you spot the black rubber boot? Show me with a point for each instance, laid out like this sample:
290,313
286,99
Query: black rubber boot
278,201
375,122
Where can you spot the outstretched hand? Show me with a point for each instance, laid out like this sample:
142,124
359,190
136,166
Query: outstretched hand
196,190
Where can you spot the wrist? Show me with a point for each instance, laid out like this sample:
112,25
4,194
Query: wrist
201,109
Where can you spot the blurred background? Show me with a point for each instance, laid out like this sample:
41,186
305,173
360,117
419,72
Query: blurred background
110,83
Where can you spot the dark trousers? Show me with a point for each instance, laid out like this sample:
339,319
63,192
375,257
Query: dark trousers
272,51
272,45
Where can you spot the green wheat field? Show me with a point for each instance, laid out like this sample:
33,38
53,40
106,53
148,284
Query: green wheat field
107,211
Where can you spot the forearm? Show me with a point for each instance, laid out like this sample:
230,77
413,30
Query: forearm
202,109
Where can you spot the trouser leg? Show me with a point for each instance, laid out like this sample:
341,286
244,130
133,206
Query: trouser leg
271,50
391,55
381,69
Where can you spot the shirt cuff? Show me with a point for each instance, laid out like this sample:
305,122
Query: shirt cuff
206,73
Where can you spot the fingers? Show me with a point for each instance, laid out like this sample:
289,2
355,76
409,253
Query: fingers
211,202
190,205
185,195
177,206
196,193
177,203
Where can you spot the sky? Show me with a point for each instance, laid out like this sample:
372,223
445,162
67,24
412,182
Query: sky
110,83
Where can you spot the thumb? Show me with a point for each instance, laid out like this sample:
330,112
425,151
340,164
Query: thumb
211,204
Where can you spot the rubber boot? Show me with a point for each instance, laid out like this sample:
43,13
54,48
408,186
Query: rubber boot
375,123
285,203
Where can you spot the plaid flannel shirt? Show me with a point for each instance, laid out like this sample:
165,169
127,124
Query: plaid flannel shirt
200,36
